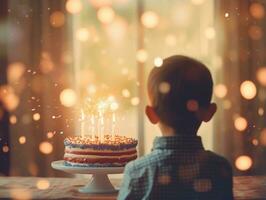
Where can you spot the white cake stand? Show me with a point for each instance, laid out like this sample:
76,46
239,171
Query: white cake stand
99,183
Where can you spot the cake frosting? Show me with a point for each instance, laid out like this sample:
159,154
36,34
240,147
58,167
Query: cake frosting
110,152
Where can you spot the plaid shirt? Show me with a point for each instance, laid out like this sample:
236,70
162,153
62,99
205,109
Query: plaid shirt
178,168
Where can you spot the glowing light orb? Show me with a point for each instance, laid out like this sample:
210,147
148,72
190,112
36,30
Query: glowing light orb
8,97
43,184
73,6
158,62
149,19
255,142
22,139
192,105
13,119
226,15
164,179
260,111
257,10
117,29
36,116
243,163
5,149
15,71
82,34
142,55
57,19
261,76
135,101
106,15
255,32
164,87
91,89
46,147
126,93
220,90
240,123
68,97
197,2
210,33
248,90
50,134
114,106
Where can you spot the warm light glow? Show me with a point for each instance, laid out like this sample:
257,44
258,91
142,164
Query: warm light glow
117,29
158,61
261,76
255,142
68,97
135,101
36,116
260,111
50,135
126,93
227,104
82,34
91,89
142,55
210,33
73,6
5,149
240,123
46,147
248,90
197,2
8,97
106,15
114,106
150,19
57,19
13,119
22,139
100,3
15,71
257,10
243,163
164,87
220,90
43,184
170,40
226,15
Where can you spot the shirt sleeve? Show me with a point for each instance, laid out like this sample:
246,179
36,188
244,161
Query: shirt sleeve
227,181
126,188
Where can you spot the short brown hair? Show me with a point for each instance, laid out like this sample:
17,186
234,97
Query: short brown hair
179,81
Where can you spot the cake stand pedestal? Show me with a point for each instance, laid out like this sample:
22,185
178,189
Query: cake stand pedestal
99,183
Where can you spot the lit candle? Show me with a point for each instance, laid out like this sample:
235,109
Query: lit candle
82,124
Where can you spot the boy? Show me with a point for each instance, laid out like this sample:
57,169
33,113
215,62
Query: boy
178,167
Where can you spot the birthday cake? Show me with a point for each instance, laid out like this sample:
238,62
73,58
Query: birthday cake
111,151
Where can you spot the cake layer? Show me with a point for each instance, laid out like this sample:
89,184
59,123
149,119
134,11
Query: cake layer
99,160
90,151
73,164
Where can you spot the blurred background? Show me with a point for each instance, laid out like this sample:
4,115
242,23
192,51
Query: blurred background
55,54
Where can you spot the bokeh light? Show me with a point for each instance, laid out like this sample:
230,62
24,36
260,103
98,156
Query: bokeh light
5,149
248,90
164,179
142,55
57,19
20,193
22,139
260,111
255,142
164,87
135,101
15,71
36,116
43,184
261,76
82,34
73,6
9,98
226,15
220,90
243,163
13,119
126,93
240,123
158,61
150,19
68,97
46,147
117,29
100,3
197,2
114,106
50,134
257,10
106,15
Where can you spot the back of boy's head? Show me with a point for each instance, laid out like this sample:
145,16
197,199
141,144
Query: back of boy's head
178,89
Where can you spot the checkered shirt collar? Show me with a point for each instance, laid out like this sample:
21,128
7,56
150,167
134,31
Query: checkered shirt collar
178,142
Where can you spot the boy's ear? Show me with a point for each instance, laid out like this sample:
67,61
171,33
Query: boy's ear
151,114
206,114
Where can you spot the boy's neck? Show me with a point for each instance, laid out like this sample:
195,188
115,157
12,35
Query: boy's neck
168,131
